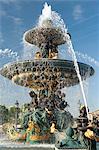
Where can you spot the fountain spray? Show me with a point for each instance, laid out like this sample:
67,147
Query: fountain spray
57,21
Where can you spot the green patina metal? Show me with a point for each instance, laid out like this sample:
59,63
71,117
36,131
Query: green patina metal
70,142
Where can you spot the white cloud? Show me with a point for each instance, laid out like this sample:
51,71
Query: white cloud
77,12
87,58
8,1
9,53
16,20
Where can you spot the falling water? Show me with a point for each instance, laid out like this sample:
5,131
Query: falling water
71,50
29,50
47,13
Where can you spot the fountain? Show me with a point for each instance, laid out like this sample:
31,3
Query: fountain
46,75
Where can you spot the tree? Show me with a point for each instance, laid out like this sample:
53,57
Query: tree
4,114
12,112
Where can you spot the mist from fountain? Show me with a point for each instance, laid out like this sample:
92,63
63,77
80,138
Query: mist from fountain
29,50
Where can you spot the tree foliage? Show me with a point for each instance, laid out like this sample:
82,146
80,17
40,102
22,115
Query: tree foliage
4,114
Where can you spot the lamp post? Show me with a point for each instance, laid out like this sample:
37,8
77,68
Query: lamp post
1,117
16,114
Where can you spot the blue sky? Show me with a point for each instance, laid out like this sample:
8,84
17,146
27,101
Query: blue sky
82,20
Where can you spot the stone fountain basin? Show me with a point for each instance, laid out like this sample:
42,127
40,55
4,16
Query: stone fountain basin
39,35
20,146
24,72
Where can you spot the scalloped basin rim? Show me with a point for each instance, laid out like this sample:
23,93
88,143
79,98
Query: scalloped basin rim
46,60
26,68
41,35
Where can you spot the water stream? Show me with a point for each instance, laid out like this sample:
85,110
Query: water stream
71,50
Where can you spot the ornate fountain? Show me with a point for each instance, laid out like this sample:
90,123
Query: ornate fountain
45,75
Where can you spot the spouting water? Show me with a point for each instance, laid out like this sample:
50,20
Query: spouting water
29,50
48,14
71,50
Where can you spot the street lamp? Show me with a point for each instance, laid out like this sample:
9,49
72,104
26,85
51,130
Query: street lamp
16,114
1,117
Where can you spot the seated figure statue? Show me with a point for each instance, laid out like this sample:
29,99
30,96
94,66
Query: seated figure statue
35,127
69,141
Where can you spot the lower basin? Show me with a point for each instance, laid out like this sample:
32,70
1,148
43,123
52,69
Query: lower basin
31,147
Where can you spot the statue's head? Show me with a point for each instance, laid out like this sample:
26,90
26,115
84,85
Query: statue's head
32,94
38,55
31,124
